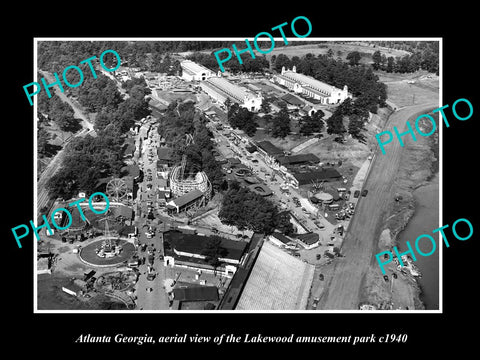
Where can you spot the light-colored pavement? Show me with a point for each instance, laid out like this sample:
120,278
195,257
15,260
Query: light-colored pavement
344,284
157,298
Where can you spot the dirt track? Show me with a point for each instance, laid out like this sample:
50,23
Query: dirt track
344,283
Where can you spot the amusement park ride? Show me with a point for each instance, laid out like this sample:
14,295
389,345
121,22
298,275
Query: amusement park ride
117,190
108,249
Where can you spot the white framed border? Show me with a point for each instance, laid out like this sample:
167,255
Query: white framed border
220,312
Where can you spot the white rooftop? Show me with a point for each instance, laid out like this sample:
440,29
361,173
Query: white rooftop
193,67
309,81
235,91
278,281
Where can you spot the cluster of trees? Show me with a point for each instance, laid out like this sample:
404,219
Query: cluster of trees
86,161
146,55
426,60
280,123
100,94
361,80
424,55
89,159
356,114
248,210
260,63
163,64
312,124
58,111
241,118
121,117
180,119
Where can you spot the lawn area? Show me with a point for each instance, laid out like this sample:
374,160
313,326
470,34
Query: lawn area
344,48
410,89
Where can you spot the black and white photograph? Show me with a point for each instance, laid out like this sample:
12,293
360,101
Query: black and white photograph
214,179
269,186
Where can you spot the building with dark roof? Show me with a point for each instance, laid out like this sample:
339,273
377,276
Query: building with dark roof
269,151
187,250
196,293
328,174
279,239
292,100
232,295
269,148
309,240
185,202
298,159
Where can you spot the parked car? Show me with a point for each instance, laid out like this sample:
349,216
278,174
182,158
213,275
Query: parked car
356,194
364,193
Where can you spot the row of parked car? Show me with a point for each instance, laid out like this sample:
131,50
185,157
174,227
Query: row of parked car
356,194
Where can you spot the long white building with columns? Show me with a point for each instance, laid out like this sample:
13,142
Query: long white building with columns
221,89
303,84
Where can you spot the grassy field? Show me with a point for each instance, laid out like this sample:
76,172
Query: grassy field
411,89
365,48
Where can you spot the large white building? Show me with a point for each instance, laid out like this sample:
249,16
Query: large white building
220,89
192,71
303,84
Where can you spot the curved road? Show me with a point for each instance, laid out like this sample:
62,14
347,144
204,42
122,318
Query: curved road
343,286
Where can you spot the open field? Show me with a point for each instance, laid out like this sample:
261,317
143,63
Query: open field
319,49
410,89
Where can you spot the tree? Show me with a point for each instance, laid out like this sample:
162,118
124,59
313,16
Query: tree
353,58
243,119
68,123
355,126
248,210
42,141
377,59
312,124
265,107
335,124
281,124
213,251
281,61
390,64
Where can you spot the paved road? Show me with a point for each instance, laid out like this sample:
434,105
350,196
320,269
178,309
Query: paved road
56,162
156,299
343,287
